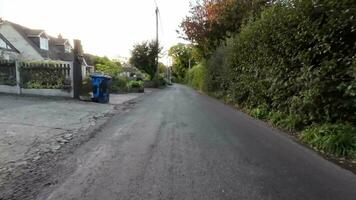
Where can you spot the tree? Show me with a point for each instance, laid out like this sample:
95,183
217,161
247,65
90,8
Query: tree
181,54
107,66
144,55
212,21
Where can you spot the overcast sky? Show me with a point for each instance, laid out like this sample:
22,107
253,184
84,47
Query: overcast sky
106,27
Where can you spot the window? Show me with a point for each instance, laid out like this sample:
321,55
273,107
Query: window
43,43
67,48
3,44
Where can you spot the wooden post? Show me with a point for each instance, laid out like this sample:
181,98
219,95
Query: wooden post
18,77
77,68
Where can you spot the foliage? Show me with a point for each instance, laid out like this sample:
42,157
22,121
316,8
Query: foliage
297,60
211,21
119,84
107,66
181,55
219,70
87,87
45,75
195,77
337,139
298,63
144,57
156,82
135,84
261,112
293,63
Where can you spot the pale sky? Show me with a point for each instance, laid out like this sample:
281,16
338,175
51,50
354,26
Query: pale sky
105,27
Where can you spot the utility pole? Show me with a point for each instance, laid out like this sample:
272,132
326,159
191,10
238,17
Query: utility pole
157,43
189,71
77,68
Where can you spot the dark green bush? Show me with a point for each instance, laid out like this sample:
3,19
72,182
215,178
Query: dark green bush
291,123
87,87
297,59
119,84
261,112
336,139
195,77
156,82
135,84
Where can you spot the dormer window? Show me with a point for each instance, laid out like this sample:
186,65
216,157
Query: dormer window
44,43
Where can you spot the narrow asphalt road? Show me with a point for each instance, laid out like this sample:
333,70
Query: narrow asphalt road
178,144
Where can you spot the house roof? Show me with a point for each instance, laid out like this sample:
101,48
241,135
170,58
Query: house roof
24,32
56,45
12,48
56,49
33,32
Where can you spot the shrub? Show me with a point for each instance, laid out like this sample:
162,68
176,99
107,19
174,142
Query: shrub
291,122
135,84
275,117
336,139
119,84
156,82
260,112
296,59
195,77
87,87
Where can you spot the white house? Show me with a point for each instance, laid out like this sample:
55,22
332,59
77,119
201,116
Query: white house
20,42
7,50
34,44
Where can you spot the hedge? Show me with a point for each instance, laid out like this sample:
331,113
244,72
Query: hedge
298,59
295,66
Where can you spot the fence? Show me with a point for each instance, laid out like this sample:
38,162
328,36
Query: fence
36,78
7,73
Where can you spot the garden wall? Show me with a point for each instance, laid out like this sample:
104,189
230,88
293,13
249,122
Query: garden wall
36,78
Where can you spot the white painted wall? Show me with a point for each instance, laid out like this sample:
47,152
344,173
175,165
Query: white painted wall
27,52
8,55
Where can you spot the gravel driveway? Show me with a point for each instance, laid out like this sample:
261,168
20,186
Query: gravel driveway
33,127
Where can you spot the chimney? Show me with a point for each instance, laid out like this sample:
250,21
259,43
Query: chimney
1,20
60,36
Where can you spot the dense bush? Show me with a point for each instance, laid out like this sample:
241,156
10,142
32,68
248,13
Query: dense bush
297,59
195,77
294,65
135,84
336,139
86,88
119,84
45,75
218,69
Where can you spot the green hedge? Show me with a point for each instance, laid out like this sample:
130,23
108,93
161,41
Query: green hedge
196,76
298,59
294,65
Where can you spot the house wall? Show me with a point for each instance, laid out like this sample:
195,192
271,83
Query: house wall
8,55
26,50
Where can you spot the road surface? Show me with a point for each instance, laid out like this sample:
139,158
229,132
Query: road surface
179,144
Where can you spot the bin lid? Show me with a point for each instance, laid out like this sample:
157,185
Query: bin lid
100,76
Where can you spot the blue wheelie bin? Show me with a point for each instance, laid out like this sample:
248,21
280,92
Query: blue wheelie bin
101,88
